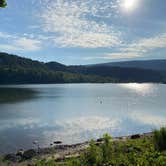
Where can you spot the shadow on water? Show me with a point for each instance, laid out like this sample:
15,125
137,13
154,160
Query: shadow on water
12,95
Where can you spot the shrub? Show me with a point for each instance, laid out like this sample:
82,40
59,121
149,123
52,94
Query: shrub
159,139
92,156
45,162
106,147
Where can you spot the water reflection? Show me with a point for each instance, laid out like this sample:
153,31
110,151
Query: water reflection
142,89
8,95
73,112
149,119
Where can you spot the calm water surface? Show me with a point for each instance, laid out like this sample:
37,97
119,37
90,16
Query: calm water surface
74,113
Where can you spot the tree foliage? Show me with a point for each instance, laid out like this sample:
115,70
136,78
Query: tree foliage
3,3
18,70
160,139
137,152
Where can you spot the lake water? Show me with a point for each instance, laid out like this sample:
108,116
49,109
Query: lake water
75,113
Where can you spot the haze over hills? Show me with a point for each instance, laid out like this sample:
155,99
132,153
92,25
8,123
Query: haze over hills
15,69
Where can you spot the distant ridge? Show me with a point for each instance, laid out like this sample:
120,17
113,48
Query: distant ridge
144,64
19,70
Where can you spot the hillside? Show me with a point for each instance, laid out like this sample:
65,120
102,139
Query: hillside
146,64
16,70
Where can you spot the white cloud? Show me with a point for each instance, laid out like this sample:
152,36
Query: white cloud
17,43
77,24
135,49
4,35
146,44
119,55
28,44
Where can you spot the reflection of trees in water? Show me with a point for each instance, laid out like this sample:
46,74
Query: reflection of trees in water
16,94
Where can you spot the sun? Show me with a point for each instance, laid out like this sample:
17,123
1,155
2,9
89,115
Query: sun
130,4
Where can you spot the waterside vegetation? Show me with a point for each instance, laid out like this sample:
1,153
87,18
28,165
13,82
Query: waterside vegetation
137,150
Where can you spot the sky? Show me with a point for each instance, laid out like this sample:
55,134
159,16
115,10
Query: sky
84,31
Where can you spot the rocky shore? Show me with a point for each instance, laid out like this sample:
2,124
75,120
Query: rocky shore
59,151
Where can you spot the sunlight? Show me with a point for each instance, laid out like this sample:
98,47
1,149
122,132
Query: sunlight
139,88
129,5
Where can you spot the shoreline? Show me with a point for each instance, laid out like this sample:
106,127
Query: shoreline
61,152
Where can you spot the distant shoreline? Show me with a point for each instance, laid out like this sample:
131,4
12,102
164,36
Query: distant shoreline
81,83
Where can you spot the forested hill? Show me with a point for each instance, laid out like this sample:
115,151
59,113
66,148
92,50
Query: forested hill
144,64
17,70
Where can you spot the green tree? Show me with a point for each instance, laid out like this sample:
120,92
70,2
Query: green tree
92,156
3,3
159,139
107,147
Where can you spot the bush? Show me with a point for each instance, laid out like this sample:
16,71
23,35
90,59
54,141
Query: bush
45,162
139,152
159,139
92,156
106,147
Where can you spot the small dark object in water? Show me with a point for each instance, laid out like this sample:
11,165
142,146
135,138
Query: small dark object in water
29,154
57,142
136,136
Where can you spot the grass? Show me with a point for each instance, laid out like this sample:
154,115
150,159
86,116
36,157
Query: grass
139,152
146,151
160,139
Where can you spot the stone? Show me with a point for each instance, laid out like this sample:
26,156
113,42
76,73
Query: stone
136,136
29,154
20,152
11,157
57,142
100,140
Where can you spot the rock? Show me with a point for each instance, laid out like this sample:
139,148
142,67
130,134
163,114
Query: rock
61,158
35,142
100,140
29,154
57,142
136,136
20,152
97,143
11,157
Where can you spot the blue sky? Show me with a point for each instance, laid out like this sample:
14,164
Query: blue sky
84,31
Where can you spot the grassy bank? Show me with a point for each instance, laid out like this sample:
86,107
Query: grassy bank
147,150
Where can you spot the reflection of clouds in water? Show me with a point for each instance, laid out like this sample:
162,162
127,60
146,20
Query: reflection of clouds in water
89,123
74,130
83,128
26,123
142,89
149,119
